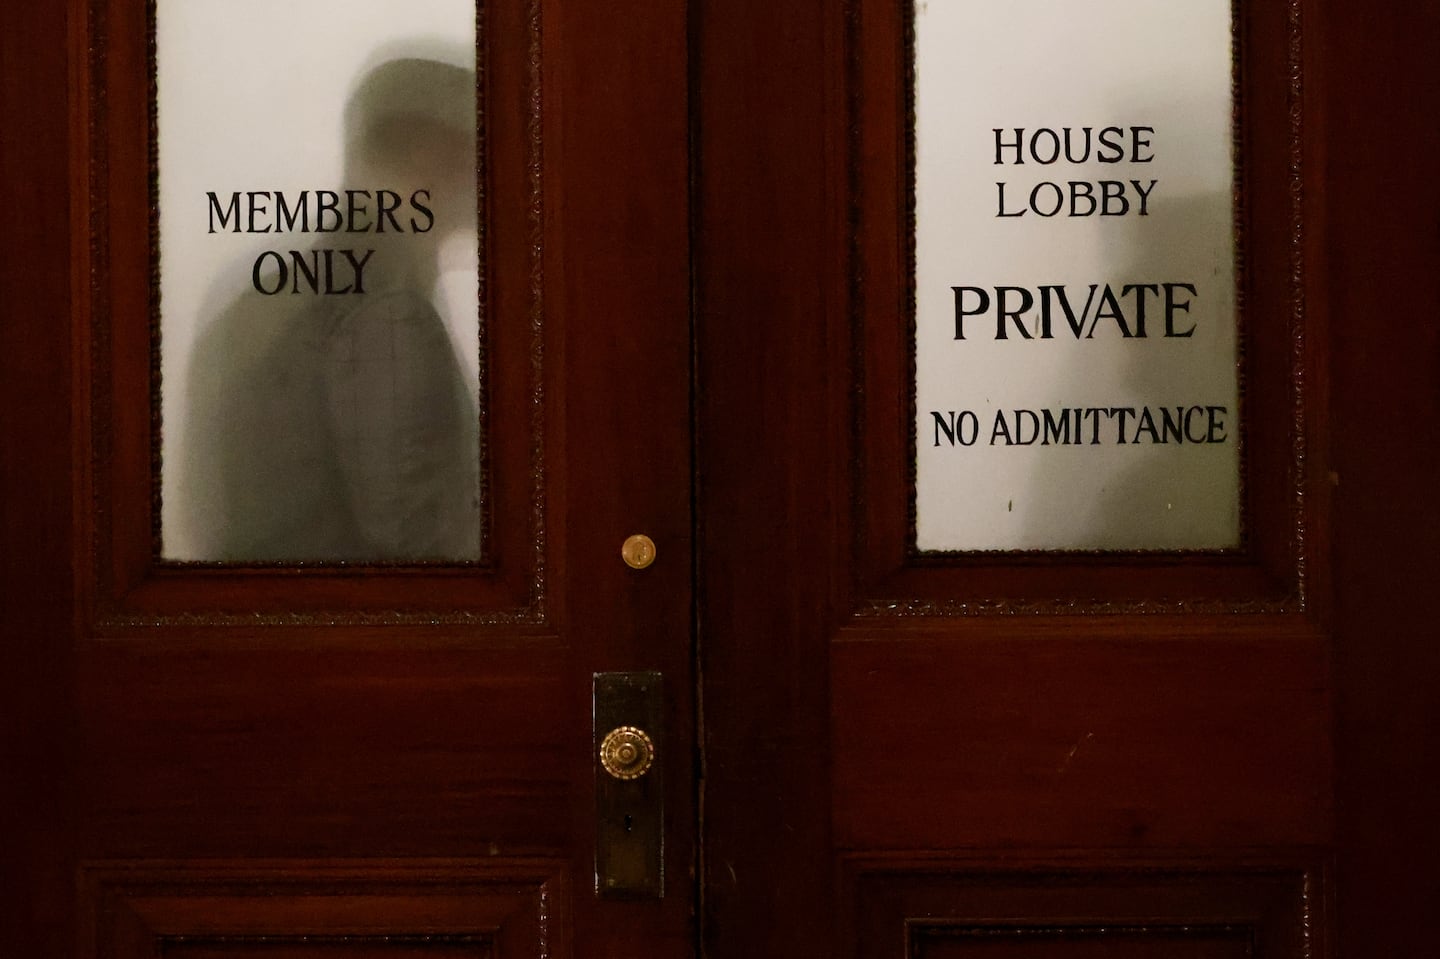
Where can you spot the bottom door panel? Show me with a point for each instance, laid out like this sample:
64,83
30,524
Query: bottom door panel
501,909
938,909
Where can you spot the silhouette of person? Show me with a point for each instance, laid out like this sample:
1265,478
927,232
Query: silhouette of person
1150,495
339,428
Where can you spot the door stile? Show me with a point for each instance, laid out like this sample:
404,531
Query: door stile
621,219
36,532
770,281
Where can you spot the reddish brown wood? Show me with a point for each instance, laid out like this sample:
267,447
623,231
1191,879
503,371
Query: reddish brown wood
861,768
35,523
1382,208
1166,709
125,583
771,420
297,909
1144,942
1079,737
1091,904
315,717
205,749
345,947
1283,403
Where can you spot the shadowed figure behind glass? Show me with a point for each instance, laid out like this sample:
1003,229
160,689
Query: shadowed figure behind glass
339,428
1156,492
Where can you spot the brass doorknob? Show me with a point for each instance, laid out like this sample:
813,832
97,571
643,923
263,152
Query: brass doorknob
627,753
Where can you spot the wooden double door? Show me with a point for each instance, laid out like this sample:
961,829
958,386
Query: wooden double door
696,293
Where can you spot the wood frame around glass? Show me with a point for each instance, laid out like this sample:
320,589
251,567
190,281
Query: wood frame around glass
1279,405
127,584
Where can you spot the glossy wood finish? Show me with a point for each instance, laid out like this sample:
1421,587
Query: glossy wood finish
1087,905
199,740
1130,718
1034,738
989,780
35,454
770,383
1383,237
352,910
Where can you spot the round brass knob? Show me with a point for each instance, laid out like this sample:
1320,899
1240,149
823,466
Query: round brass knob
627,753
638,551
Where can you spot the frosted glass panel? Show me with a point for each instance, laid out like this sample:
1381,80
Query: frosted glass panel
319,280
1076,358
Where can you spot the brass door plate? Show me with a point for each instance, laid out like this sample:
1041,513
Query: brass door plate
629,756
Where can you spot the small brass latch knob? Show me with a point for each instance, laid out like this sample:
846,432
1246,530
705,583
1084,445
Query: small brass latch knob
638,551
627,753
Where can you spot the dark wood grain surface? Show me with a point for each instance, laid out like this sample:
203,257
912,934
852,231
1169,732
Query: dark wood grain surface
1059,756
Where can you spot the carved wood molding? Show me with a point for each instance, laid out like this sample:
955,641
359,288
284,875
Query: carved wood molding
115,168
1228,939
1268,906
503,907
1282,553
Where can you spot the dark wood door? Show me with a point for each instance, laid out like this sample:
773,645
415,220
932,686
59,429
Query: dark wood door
1055,756
259,759
1050,755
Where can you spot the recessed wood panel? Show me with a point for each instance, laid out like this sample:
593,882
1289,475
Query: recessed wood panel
1068,736
343,947
397,751
1085,906
323,910
1081,942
